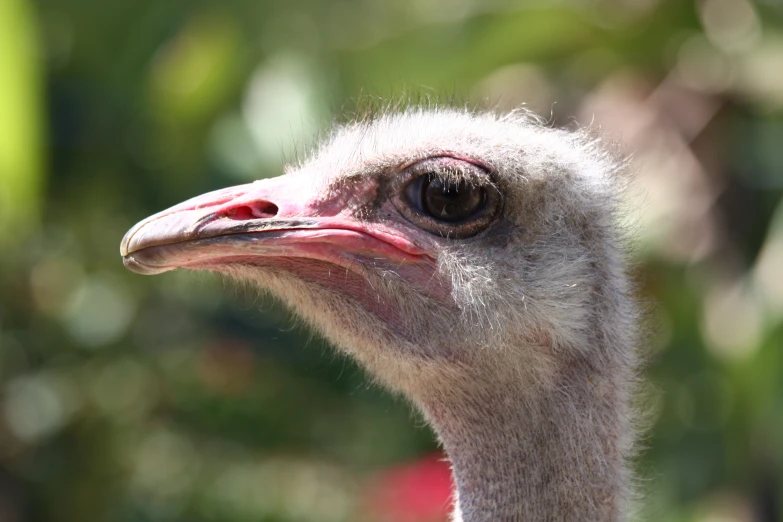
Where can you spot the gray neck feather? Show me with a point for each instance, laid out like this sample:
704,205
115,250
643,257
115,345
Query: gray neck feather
555,452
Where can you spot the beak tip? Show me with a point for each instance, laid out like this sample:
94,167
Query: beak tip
128,249
126,244
133,265
124,247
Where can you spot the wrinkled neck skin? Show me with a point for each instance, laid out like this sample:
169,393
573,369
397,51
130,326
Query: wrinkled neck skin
547,452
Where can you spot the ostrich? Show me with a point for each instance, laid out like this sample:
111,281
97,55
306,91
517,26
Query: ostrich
470,261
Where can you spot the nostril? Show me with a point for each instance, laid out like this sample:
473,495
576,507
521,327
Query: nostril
263,209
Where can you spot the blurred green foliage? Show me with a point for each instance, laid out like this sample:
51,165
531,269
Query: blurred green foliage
125,398
21,154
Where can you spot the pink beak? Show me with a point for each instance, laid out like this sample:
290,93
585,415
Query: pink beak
278,217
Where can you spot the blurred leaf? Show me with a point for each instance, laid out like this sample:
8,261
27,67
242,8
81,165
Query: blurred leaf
21,125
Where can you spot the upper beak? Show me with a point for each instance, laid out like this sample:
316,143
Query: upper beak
280,217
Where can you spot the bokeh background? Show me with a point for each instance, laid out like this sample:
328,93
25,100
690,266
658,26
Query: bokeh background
183,398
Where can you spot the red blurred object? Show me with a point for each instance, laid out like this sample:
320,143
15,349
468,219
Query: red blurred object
420,491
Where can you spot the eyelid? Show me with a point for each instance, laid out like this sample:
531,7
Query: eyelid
440,164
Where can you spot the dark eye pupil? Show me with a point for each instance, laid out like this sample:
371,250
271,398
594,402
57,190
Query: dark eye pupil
451,201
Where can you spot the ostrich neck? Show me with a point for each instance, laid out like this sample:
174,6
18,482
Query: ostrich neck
526,453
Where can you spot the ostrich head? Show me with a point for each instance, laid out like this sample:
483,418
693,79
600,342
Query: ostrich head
467,260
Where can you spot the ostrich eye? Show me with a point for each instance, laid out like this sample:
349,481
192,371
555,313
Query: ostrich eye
447,197
447,200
